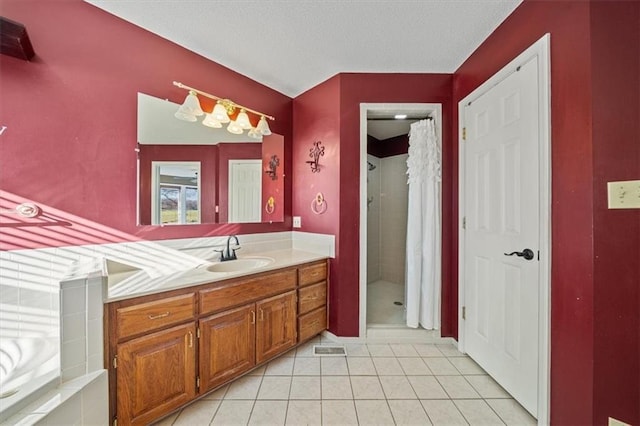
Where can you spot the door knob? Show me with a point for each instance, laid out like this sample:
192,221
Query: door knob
526,253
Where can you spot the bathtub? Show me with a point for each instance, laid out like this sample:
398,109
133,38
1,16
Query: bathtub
28,365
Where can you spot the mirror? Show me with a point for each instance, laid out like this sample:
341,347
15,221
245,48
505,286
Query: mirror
189,173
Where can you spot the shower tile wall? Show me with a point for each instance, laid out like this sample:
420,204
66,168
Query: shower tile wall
387,219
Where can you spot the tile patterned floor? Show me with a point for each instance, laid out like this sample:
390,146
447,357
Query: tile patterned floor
376,384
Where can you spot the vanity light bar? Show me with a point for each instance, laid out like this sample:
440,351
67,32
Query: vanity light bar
209,95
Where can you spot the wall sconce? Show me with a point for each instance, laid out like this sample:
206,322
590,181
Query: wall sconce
316,152
190,110
272,168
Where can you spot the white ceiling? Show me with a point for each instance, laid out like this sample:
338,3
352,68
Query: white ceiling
292,45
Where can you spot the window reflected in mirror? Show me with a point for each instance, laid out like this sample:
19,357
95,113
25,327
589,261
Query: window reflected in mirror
175,192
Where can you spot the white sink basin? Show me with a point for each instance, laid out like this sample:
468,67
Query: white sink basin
239,265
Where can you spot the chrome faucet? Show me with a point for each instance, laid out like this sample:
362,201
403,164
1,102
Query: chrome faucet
229,253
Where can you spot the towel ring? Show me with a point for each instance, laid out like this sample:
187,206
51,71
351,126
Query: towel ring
270,207
319,204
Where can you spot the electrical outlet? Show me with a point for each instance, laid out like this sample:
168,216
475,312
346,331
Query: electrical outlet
297,222
624,194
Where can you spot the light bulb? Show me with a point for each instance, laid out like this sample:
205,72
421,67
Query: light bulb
190,106
220,113
243,120
210,121
254,133
234,128
263,126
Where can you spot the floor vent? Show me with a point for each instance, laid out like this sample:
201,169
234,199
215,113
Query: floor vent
320,350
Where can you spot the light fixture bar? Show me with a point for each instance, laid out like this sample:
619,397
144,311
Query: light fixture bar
209,95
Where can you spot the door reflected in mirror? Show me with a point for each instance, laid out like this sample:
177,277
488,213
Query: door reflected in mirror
175,195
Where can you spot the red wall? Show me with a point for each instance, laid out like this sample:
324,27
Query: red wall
71,118
331,112
615,74
594,290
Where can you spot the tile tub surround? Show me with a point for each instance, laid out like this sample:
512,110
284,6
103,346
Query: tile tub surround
388,384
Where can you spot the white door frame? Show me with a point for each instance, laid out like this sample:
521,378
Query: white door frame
436,113
541,49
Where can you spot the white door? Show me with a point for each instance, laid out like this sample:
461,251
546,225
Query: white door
501,205
245,191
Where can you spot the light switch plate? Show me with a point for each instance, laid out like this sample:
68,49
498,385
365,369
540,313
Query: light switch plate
297,222
624,194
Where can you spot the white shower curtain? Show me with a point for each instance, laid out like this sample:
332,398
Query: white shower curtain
423,227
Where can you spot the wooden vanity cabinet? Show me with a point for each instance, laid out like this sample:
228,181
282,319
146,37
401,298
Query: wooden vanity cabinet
227,346
165,350
312,299
276,326
155,374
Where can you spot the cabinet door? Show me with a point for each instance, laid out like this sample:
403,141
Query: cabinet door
227,346
276,325
155,374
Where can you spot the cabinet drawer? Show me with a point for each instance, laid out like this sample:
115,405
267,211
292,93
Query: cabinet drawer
314,273
149,316
312,323
244,291
312,297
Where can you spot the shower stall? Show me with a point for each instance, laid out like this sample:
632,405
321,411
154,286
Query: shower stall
383,220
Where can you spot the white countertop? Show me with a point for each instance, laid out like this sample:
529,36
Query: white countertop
129,284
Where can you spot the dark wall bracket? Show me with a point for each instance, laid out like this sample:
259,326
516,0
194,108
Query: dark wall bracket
14,40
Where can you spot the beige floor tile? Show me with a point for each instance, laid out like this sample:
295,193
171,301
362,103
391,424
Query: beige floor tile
333,366
443,412
449,349
466,366
233,413
397,387
512,413
290,353
366,387
487,387
388,366
306,413
218,393
408,412
414,367
306,349
441,366
477,412
167,421
339,413
305,387
403,349
380,350
282,366
373,413
304,366
361,366
244,388
275,387
457,387
336,387
427,387
357,349
426,350
269,413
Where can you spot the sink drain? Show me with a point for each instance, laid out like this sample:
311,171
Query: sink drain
397,303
